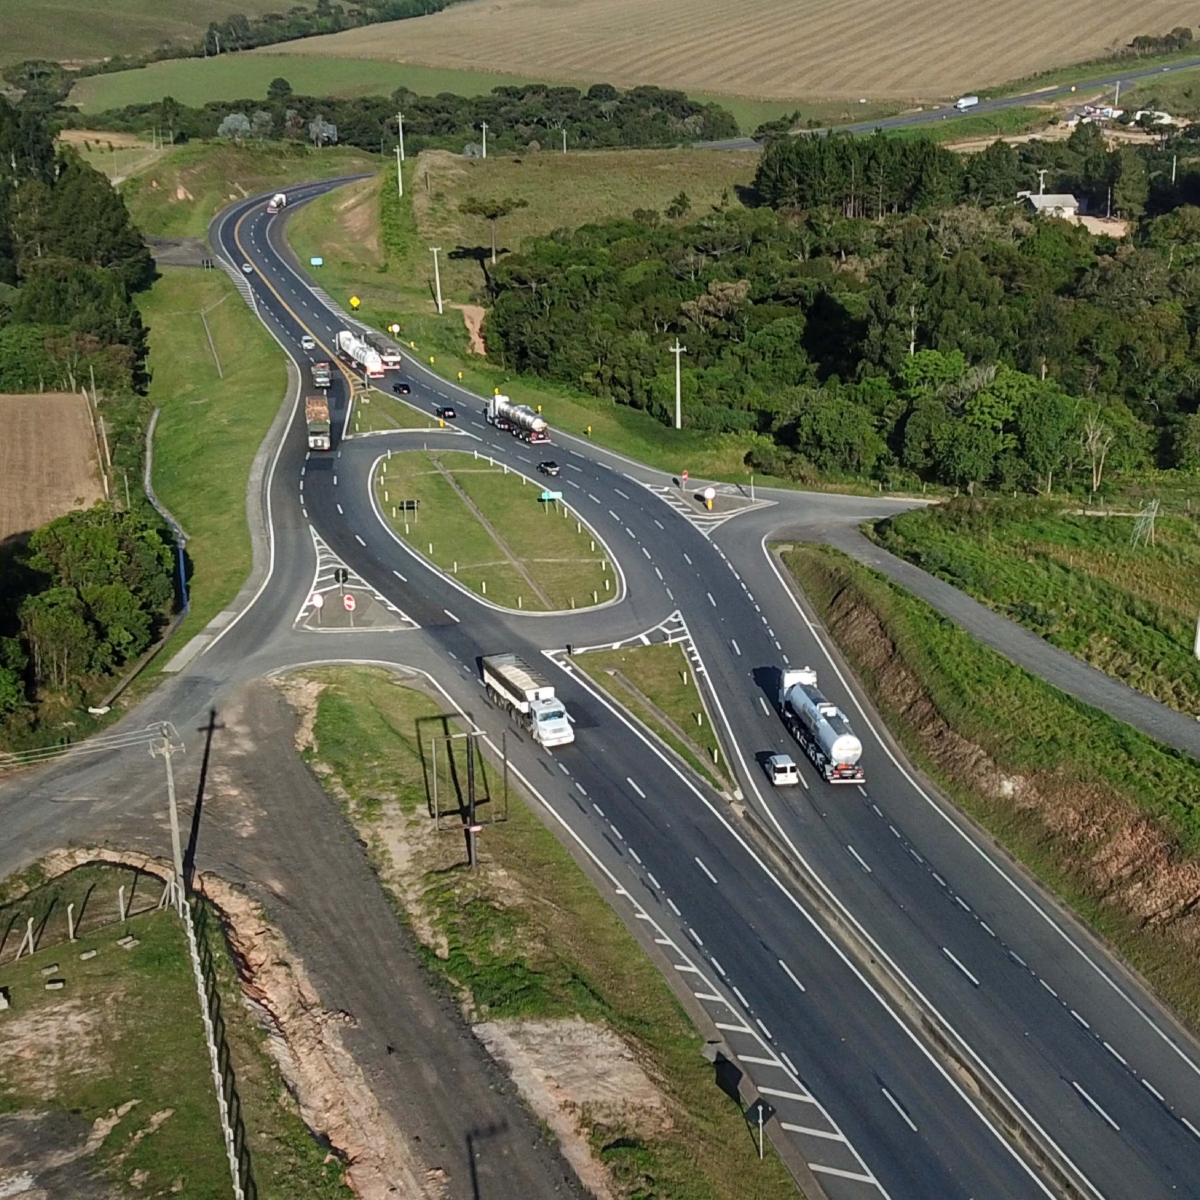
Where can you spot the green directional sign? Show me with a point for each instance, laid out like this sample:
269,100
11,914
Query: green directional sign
550,496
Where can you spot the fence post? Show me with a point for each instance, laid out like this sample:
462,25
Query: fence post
71,922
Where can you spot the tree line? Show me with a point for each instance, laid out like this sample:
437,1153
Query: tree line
950,337
518,118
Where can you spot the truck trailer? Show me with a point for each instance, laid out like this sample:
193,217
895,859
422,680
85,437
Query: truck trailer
519,419
965,102
388,351
316,416
820,727
353,348
277,202
321,375
514,686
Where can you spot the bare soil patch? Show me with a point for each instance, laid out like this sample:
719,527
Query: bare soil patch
777,49
48,460
473,315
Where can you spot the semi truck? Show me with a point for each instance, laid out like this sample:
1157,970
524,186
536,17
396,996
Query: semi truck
277,202
321,375
519,419
518,689
352,347
820,727
316,416
388,351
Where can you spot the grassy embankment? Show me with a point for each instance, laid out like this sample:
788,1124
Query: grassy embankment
490,531
1108,818
657,684
125,1030
1074,580
377,247
527,936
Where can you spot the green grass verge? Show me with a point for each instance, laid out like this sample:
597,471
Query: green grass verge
376,412
86,30
1108,818
1074,580
545,547
959,128
528,936
210,427
663,675
131,1019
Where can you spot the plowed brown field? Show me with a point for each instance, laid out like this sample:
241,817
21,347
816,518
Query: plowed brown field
775,49
48,463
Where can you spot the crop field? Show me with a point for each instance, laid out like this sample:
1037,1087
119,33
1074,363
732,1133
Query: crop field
82,30
48,460
768,48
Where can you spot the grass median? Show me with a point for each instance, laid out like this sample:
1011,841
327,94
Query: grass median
527,937
375,412
1107,817
121,1045
658,685
488,529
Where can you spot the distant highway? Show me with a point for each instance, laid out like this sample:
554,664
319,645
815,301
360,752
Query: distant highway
947,112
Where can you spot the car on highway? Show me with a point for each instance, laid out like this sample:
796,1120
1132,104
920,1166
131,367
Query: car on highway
401,389
248,268
782,770
549,467
307,343
444,412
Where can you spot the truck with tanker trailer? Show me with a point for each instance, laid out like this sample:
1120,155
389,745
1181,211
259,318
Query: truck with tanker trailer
316,416
820,727
321,375
354,349
516,687
519,419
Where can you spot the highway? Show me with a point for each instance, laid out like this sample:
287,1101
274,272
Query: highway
872,962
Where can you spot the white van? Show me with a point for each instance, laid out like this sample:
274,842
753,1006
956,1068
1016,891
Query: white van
966,102
782,771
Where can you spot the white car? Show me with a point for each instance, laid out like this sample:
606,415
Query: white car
782,771
248,268
307,343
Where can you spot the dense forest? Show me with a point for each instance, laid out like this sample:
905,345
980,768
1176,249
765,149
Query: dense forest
517,117
893,312
84,595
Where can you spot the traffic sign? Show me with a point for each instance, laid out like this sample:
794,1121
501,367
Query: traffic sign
683,476
317,600
393,328
340,574
348,602
548,496
354,301
316,261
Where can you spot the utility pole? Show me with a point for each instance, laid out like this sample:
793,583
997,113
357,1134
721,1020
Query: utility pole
1174,164
564,133
1042,181
677,350
399,174
437,278
166,747
1117,97
400,122
483,125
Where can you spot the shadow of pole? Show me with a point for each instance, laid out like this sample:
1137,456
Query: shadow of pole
189,854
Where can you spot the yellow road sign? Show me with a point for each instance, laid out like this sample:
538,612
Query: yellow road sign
354,301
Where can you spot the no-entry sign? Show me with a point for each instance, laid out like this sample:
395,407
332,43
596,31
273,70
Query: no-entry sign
348,602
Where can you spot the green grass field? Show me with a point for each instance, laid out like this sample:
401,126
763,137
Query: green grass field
1074,580
86,30
535,556
1109,818
376,412
210,428
179,194
527,935
663,675
1003,122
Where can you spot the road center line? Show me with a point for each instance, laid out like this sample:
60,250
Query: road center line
1093,1105
635,787
710,599
960,966
737,649
451,616
899,1108
707,872
359,540
859,859
764,706
791,976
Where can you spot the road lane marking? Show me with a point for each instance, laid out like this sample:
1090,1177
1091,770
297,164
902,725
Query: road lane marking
402,578
647,553
792,976
359,540
810,1132
738,994
710,599
335,481
591,497
764,706
1092,1104
695,937
899,1108
720,969
564,769
1190,1126
707,872
340,513
612,514
621,493
840,1174
658,573
1048,988
659,523
859,859
580,788
599,810
959,965
1154,1091
686,559
451,616
654,881
1118,1056
635,787
766,1031
736,647
1080,1019
674,907
634,855
616,831
769,1091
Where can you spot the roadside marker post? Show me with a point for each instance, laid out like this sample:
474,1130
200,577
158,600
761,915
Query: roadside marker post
760,1112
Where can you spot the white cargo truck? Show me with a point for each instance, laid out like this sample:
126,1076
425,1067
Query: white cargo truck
965,102
514,686
519,419
820,727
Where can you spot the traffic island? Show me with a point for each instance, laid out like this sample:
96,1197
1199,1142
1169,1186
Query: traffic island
498,534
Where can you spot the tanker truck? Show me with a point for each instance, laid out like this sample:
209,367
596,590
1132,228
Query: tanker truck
820,727
352,347
519,418
513,685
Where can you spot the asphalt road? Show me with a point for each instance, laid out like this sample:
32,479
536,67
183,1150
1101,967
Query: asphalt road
1020,989
936,115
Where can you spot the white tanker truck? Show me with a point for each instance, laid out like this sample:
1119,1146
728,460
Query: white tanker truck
520,419
820,727
351,346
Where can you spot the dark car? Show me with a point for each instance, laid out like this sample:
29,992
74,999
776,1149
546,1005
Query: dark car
401,389
549,467
445,413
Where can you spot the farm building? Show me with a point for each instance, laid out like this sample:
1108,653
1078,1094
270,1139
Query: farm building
1052,204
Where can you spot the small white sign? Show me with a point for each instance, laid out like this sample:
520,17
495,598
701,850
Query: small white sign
317,600
348,601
